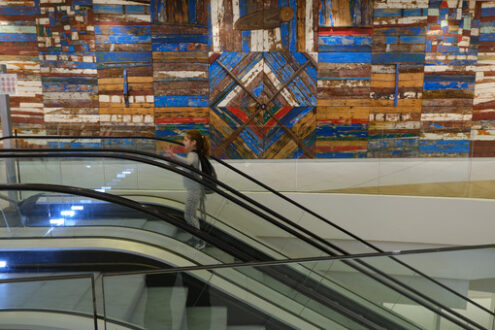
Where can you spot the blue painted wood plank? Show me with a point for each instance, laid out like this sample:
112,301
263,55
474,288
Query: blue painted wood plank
82,2
191,11
341,155
345,40
293,27
487,36
449,77
71,80
124,30
392,39
393,141
75,65
444,146
412,40
58,51
444,39
387,12
339,57
136,10
450,62
335,132
181,101
486,12
453,50
62,87
415,12
123,57
180,38
402,31
108,9
119,39
284,27
387,58
447,85
17,10
345,48
18,37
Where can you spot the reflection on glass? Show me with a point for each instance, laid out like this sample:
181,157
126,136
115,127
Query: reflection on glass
294,296
48,304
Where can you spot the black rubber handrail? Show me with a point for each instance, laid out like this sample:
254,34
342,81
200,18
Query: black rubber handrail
258,263
124,154
302,207
310,259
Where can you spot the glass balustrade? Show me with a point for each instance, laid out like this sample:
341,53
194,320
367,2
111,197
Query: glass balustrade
341,240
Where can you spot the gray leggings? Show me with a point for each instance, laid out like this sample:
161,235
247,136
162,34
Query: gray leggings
193,201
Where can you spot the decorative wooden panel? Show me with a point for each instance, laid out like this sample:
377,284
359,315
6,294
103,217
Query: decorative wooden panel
260,77
260,100
448,88
19,51
68,67
342,128
483,121
180,44
394,78
397,78
344,74
267,29
180,66
125,73
263,136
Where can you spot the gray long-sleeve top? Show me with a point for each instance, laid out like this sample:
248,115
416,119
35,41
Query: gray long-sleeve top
191,159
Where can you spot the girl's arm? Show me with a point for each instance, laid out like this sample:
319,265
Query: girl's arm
190,158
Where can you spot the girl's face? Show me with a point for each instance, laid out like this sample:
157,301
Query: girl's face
189,144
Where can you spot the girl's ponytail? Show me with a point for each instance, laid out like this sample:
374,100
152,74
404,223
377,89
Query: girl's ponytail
205,150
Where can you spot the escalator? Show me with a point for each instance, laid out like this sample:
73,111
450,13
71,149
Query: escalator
178,298
315,248
288,304
278,285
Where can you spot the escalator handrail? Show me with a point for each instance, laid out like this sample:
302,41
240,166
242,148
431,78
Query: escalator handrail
71,276
124,154
253,263
264,186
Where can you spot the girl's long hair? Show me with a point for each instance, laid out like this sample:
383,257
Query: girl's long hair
202,142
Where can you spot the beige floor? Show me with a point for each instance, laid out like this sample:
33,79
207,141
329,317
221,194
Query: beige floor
473,189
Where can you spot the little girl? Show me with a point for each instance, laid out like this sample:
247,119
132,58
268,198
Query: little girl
194,143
